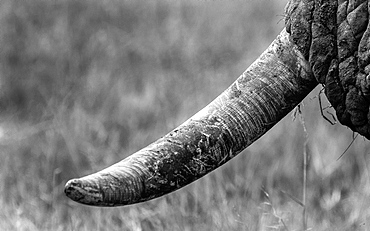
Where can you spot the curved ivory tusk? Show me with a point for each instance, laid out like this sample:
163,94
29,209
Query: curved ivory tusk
271,87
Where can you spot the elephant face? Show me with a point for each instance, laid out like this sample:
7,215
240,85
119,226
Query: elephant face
334,36
324,42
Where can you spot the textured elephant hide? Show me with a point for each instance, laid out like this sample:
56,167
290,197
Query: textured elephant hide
334,36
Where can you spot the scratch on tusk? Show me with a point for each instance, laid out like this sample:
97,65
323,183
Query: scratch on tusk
237,85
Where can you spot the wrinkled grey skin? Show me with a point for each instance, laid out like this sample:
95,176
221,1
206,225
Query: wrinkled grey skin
324,42
334,37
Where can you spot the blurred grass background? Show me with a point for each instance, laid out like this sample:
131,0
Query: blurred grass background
86,83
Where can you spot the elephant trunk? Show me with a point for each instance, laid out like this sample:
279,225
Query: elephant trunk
270,88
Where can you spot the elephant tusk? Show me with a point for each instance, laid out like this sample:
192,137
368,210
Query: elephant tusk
270,88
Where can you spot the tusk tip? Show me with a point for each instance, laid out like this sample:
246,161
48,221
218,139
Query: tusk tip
71,189
83,193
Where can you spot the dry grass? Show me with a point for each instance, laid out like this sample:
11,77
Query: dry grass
86,83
